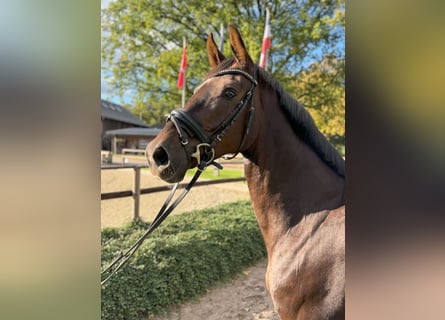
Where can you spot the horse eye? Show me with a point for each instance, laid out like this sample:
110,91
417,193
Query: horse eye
229,93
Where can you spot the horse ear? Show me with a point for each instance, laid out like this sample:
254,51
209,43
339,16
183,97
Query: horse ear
238,47
215,56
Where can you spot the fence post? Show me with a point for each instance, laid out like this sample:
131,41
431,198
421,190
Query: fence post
136,191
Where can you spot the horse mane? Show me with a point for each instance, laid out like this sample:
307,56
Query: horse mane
304,126
299,118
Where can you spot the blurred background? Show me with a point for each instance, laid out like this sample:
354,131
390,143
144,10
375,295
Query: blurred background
50,80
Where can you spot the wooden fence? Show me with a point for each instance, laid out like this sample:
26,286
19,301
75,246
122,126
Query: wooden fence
136,191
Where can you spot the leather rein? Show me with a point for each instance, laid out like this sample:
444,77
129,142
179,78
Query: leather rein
205,153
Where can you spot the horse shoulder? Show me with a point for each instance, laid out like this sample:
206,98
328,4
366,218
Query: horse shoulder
306,270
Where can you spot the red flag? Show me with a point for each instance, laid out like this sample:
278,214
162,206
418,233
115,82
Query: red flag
266,42
181,77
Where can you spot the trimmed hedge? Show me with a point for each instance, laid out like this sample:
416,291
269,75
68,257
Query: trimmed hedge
186,255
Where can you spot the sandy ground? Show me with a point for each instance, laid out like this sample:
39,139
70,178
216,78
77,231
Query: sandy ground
244,298
117,212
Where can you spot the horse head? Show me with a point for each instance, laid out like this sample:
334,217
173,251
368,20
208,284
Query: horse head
217,120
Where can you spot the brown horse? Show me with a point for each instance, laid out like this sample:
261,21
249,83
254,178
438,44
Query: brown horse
295,177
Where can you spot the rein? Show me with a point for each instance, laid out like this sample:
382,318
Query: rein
186,125
163,213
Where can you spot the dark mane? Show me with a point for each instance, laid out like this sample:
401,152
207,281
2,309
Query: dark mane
299,118
304,126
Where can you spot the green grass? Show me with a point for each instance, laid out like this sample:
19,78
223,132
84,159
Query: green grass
223,174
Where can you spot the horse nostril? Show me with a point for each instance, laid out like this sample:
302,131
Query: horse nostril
160,156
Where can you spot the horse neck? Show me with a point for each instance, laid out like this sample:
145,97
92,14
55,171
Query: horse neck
286,178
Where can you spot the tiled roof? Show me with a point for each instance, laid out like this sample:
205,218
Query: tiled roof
153,131
109,110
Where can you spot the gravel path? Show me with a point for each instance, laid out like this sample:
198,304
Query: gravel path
245,298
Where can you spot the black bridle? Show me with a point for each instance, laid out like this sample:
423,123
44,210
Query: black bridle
184,123
187,125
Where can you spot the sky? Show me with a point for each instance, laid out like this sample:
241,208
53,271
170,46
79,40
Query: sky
106,91
104,3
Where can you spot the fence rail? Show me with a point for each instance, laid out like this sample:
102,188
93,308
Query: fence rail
136,192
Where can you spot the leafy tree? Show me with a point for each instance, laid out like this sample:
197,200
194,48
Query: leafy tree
142,45
321,89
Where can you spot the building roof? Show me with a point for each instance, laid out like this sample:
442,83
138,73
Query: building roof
146,132
109,110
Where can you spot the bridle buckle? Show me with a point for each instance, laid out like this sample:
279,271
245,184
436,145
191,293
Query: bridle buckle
184,141
201,158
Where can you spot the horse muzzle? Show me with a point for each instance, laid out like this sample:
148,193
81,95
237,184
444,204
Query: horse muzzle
167,160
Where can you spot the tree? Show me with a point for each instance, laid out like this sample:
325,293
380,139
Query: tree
142,43
321,89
